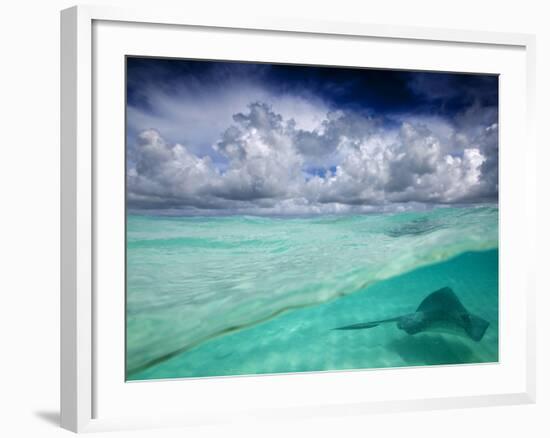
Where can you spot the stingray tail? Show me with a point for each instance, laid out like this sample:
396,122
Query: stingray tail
365,325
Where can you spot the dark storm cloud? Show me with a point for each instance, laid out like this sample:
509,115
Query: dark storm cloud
258,138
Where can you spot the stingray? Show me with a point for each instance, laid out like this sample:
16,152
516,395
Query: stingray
440,310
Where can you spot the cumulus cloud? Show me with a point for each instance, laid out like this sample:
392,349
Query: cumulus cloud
164,174
332,162
195,113
263,162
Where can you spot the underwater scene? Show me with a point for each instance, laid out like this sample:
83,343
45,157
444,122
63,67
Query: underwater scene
287,218
239,295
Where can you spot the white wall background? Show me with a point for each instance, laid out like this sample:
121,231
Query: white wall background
29,218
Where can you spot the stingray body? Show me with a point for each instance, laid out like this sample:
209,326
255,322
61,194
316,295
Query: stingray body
440,310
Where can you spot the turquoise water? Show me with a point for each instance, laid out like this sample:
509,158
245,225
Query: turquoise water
247,295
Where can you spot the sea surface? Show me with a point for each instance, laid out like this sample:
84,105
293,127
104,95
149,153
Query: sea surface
235,295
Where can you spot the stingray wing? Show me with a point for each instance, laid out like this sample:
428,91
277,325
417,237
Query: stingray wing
442,300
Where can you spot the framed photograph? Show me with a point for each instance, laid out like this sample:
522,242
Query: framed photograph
257,208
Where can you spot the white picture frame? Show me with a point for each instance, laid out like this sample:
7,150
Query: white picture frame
85,374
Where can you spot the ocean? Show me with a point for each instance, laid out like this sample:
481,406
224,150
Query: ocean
238,295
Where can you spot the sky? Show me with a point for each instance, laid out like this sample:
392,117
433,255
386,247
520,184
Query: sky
211,137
